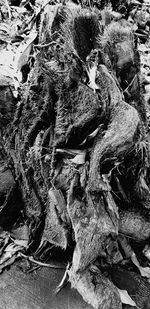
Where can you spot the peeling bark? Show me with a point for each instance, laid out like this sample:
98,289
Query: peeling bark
92,225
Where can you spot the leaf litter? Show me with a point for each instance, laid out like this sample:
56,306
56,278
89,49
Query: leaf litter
125,298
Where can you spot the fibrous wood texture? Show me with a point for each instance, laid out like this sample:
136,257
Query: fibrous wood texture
78,146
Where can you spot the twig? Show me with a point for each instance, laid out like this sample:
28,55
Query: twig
33,269
8,8
64,280
31,259
45,45
123,234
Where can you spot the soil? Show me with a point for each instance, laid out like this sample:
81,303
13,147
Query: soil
37,290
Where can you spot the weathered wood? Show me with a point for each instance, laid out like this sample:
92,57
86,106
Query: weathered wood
75,90
119,137
92,224
95,288
57,221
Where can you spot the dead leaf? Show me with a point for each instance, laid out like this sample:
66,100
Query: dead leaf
125,246
92,76
79,158
144,271
12,248
57,197
8,262
21,233
64,281
21,242
94,133
125,298
3,244
135,2
9,251
23,51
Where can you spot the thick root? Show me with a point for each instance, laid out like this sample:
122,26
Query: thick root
118,140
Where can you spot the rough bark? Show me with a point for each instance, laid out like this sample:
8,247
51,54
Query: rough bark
134,224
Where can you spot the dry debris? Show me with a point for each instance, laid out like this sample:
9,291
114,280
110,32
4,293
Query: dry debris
74,138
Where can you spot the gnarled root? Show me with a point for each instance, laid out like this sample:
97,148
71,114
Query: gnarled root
120,136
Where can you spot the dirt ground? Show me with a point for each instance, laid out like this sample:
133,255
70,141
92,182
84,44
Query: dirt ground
36,290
